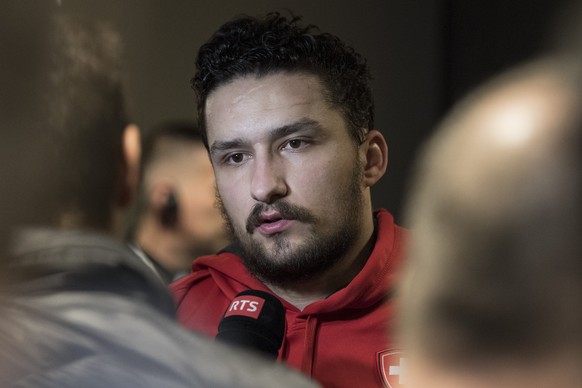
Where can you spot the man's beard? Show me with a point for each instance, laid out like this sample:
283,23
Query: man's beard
286,265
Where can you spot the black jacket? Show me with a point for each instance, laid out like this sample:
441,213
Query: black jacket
85,312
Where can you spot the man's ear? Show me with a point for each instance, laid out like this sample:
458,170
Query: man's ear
158,195
375,152
131,146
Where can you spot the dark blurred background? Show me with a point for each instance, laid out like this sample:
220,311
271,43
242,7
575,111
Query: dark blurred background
424,56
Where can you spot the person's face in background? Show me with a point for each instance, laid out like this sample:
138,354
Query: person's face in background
288,172
199,217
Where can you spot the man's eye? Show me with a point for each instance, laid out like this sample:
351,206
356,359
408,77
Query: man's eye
236,158
295,144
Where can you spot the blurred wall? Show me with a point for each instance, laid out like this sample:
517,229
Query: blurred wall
424,55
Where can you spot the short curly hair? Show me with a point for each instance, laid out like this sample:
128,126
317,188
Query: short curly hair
253,46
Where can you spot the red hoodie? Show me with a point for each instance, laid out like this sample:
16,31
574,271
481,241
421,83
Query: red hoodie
341,341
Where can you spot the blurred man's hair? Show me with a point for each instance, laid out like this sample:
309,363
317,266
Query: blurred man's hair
84,117
495,266
173,131
23,46
62,116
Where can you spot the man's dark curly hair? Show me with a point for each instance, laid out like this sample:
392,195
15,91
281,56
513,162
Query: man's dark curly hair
252,46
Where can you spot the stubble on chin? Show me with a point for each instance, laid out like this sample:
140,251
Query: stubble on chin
284,264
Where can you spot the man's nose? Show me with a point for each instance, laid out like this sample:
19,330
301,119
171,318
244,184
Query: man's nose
268,181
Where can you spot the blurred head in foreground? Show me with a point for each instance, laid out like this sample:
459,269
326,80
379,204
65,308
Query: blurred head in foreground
491,294
72,159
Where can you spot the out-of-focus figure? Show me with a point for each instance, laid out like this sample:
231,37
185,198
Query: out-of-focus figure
177,217
493,285
77,308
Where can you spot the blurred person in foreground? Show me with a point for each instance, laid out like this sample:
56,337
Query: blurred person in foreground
289,123
492,288
77,309
177,218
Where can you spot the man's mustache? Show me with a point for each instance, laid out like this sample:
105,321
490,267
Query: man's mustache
285,210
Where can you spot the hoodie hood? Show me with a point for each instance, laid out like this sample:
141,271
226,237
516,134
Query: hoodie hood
367,288
339,340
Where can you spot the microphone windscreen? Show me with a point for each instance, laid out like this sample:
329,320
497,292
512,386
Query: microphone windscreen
254,320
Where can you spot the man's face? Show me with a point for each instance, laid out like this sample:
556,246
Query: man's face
288,174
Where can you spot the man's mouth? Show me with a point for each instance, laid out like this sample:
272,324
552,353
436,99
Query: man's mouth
276,218
269,223
269,228
269,217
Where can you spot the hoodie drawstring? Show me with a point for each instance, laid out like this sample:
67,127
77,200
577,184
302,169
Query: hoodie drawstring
310,345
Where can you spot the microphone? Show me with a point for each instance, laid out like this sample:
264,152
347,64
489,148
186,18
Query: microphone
254,320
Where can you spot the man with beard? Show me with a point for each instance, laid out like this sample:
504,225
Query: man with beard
77,309
288,120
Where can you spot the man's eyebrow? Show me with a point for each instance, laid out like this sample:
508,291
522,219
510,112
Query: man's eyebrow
218,146
297,126
275,134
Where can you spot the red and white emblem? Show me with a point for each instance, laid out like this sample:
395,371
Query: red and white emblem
392,368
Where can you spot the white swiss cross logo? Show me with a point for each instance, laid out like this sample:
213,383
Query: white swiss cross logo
392,368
